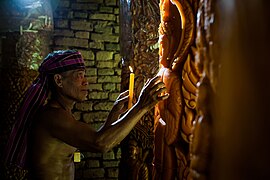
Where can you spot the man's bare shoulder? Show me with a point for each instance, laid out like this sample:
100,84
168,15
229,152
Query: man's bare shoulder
49,111
50,114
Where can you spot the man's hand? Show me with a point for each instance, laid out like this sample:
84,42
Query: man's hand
120,104
152,92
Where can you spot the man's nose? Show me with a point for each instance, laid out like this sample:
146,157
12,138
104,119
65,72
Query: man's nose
85,82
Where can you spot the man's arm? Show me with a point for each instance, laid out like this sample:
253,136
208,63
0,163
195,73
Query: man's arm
118,108
83,136
150,95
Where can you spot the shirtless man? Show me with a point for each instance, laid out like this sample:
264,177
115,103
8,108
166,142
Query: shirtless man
53,134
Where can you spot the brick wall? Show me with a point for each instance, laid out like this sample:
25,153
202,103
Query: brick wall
92,27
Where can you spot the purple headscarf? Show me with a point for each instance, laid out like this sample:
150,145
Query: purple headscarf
37,93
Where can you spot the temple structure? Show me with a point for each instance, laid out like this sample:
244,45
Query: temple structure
211,54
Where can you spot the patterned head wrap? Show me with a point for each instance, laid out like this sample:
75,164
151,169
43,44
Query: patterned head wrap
37,93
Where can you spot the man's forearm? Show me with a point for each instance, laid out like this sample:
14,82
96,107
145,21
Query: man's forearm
152,92
112,117
111,135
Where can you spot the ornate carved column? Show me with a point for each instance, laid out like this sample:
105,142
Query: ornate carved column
139,49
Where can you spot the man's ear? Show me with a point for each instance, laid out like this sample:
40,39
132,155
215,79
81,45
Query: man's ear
58,80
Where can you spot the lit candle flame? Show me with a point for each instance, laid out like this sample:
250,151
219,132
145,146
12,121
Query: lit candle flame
130,68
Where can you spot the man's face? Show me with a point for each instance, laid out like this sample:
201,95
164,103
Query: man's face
75,85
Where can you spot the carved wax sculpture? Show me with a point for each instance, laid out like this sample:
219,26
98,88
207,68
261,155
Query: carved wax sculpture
174,116
206,60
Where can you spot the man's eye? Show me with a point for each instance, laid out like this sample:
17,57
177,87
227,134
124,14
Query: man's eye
81,75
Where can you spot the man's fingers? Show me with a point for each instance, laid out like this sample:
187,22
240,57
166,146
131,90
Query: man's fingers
147,81
159,92
157,87
122,94
153,80
123,99
163,97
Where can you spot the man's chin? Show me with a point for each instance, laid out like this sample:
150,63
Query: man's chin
81,99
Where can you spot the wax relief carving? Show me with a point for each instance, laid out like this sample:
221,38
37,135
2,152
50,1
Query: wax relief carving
200,146
175,115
